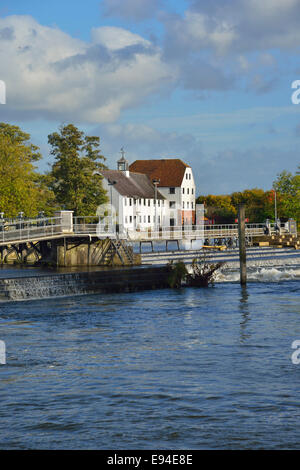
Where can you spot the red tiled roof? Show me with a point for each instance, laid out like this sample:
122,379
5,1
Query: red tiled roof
170,171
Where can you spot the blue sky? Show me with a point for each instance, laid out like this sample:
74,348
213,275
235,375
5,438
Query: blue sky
209,82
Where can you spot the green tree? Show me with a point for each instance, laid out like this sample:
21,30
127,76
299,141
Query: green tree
287,187
73,177
257,204
21,187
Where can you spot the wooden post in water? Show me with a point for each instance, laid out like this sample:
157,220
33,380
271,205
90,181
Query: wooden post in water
242,244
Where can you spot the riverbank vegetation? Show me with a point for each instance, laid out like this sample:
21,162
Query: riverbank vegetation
260,204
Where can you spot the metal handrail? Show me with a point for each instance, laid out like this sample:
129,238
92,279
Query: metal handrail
30,229
39,228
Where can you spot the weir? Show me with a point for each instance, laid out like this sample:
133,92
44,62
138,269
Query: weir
79,283
266,266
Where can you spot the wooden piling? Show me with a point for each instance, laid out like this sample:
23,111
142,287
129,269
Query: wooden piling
242,244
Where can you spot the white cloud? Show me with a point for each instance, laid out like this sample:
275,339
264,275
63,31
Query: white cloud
116,38
240,25
53,75
198,31
228,43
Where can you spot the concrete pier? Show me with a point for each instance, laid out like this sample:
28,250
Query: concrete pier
242,244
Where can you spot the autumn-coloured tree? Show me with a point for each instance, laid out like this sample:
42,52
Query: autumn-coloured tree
224,208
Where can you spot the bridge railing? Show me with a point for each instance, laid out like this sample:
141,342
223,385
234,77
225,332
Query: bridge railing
29,229
192,232
93,225
33,229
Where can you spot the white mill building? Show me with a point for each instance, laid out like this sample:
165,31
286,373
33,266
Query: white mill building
151,193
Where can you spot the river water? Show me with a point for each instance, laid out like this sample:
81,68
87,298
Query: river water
166,369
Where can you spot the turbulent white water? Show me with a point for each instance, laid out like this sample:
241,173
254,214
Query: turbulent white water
272,274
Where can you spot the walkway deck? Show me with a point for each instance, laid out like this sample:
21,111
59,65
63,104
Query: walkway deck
34,230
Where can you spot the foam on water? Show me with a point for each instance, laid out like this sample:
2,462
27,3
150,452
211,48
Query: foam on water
271,274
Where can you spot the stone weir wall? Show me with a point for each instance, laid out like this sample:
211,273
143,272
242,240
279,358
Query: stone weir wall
106,281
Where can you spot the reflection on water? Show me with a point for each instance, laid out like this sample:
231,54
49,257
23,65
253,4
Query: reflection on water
244,309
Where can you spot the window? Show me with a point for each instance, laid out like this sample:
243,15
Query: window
126,219
172,191
140,202
130,202
186,176
144,219
149,219
130,218
188,205
192,190
144,202
158,202
192,205
190,176
188,191
149,202
125,201
182,190
172,204
183,205
163,202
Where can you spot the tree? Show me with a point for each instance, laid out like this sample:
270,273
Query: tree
257,204
21,187
219,208
224,208
73,177
287,188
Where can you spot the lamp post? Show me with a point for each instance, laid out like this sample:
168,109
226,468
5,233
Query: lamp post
156,182
1,221
111,183
20,218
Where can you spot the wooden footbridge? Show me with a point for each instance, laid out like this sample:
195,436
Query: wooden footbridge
98,242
